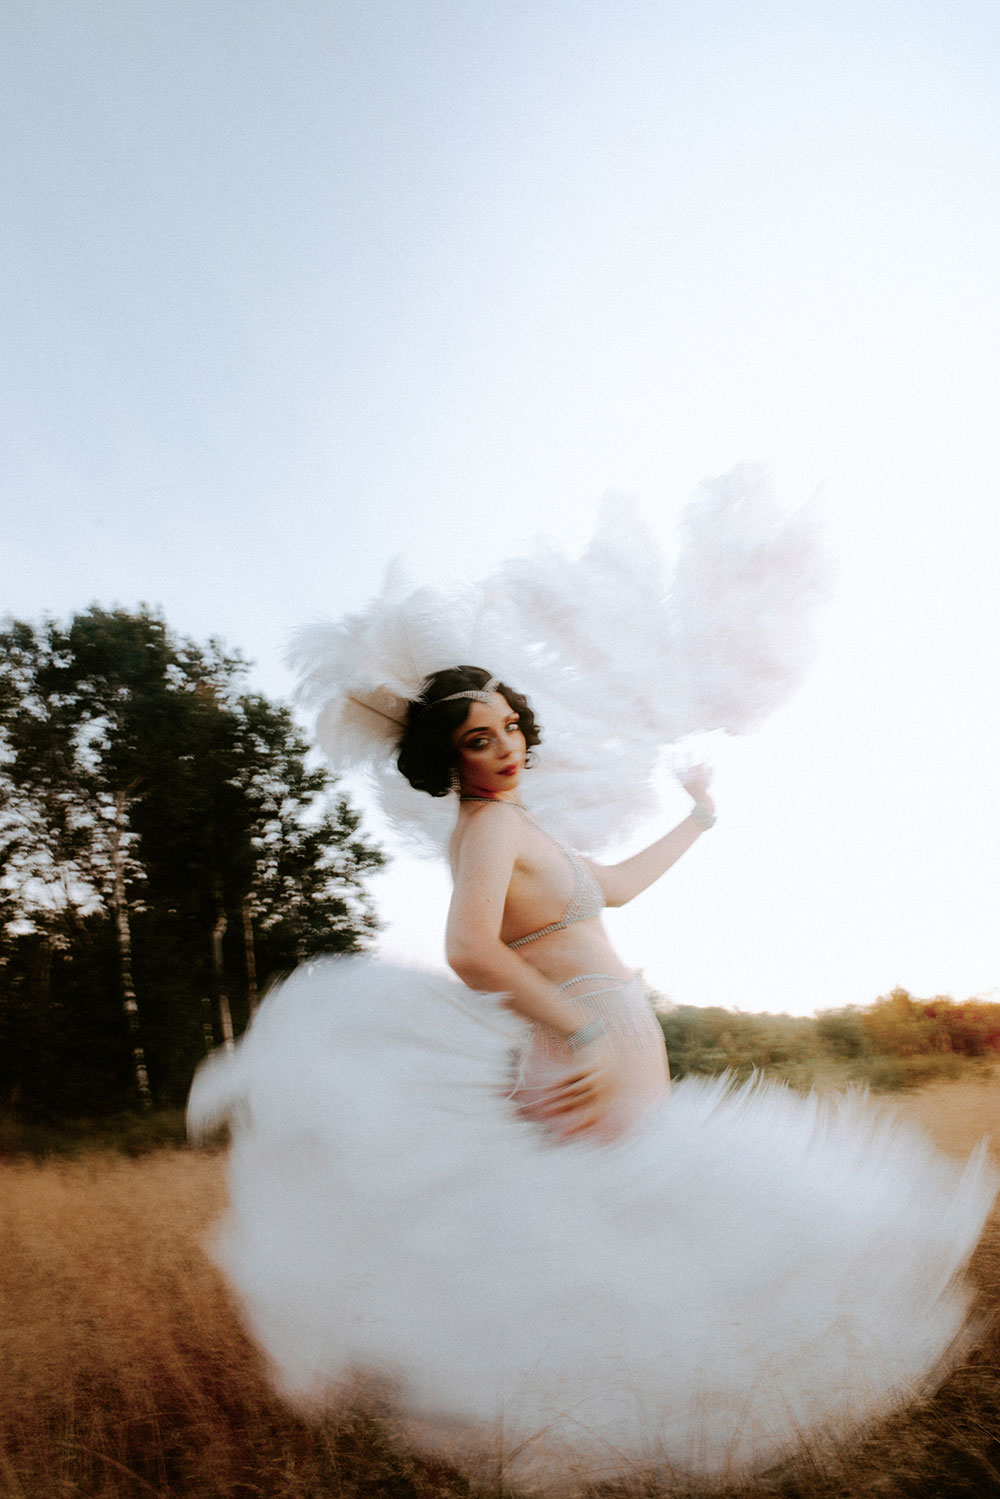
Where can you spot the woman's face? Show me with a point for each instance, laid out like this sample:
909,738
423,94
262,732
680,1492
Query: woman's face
491,748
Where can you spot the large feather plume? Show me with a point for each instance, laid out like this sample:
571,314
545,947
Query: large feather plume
619,663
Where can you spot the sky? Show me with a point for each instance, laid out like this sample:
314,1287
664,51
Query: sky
292,288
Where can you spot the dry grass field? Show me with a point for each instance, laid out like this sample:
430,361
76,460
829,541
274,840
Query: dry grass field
124,1372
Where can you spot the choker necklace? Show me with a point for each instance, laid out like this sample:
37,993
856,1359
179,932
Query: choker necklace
468,797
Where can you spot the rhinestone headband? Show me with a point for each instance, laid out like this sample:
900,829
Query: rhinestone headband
477,694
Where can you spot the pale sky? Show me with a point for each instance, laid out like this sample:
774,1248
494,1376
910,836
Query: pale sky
290,288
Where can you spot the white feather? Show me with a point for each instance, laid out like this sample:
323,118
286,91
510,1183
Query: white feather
619,663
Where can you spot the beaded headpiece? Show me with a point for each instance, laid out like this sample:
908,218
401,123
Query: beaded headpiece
478,694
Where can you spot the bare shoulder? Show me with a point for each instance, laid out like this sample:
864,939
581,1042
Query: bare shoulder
486,830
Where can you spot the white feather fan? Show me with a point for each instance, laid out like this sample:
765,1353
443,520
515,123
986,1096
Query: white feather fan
618,663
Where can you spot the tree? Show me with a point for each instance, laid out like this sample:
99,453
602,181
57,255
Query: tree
152,809
306,894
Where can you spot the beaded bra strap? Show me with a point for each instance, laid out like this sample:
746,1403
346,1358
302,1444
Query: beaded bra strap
582,978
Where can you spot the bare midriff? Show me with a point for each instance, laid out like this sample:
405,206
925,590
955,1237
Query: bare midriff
607,992
581,948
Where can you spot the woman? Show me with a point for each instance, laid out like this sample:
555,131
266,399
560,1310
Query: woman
505,1216
508,931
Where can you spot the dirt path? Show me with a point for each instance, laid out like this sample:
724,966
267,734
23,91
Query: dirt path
957,1114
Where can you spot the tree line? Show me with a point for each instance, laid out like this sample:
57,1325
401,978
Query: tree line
166,849
895,1039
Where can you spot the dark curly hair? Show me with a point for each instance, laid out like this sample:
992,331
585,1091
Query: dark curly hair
427,756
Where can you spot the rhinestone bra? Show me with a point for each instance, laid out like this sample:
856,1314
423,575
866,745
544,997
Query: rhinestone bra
586,901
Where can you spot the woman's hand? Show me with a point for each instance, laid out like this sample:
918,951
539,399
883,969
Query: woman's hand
696,782
584,1100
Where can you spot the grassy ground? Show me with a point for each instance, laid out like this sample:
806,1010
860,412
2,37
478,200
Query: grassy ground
124,1371
127,1134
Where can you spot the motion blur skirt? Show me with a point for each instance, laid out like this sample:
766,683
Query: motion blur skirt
742,1272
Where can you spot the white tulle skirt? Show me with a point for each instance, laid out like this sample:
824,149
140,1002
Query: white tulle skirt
742,1272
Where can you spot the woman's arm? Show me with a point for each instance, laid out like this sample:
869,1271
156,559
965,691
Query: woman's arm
622,882
485,865
582,1099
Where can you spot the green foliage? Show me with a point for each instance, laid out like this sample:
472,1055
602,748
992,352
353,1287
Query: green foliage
842,1033
896,1042
715,1040
165,847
